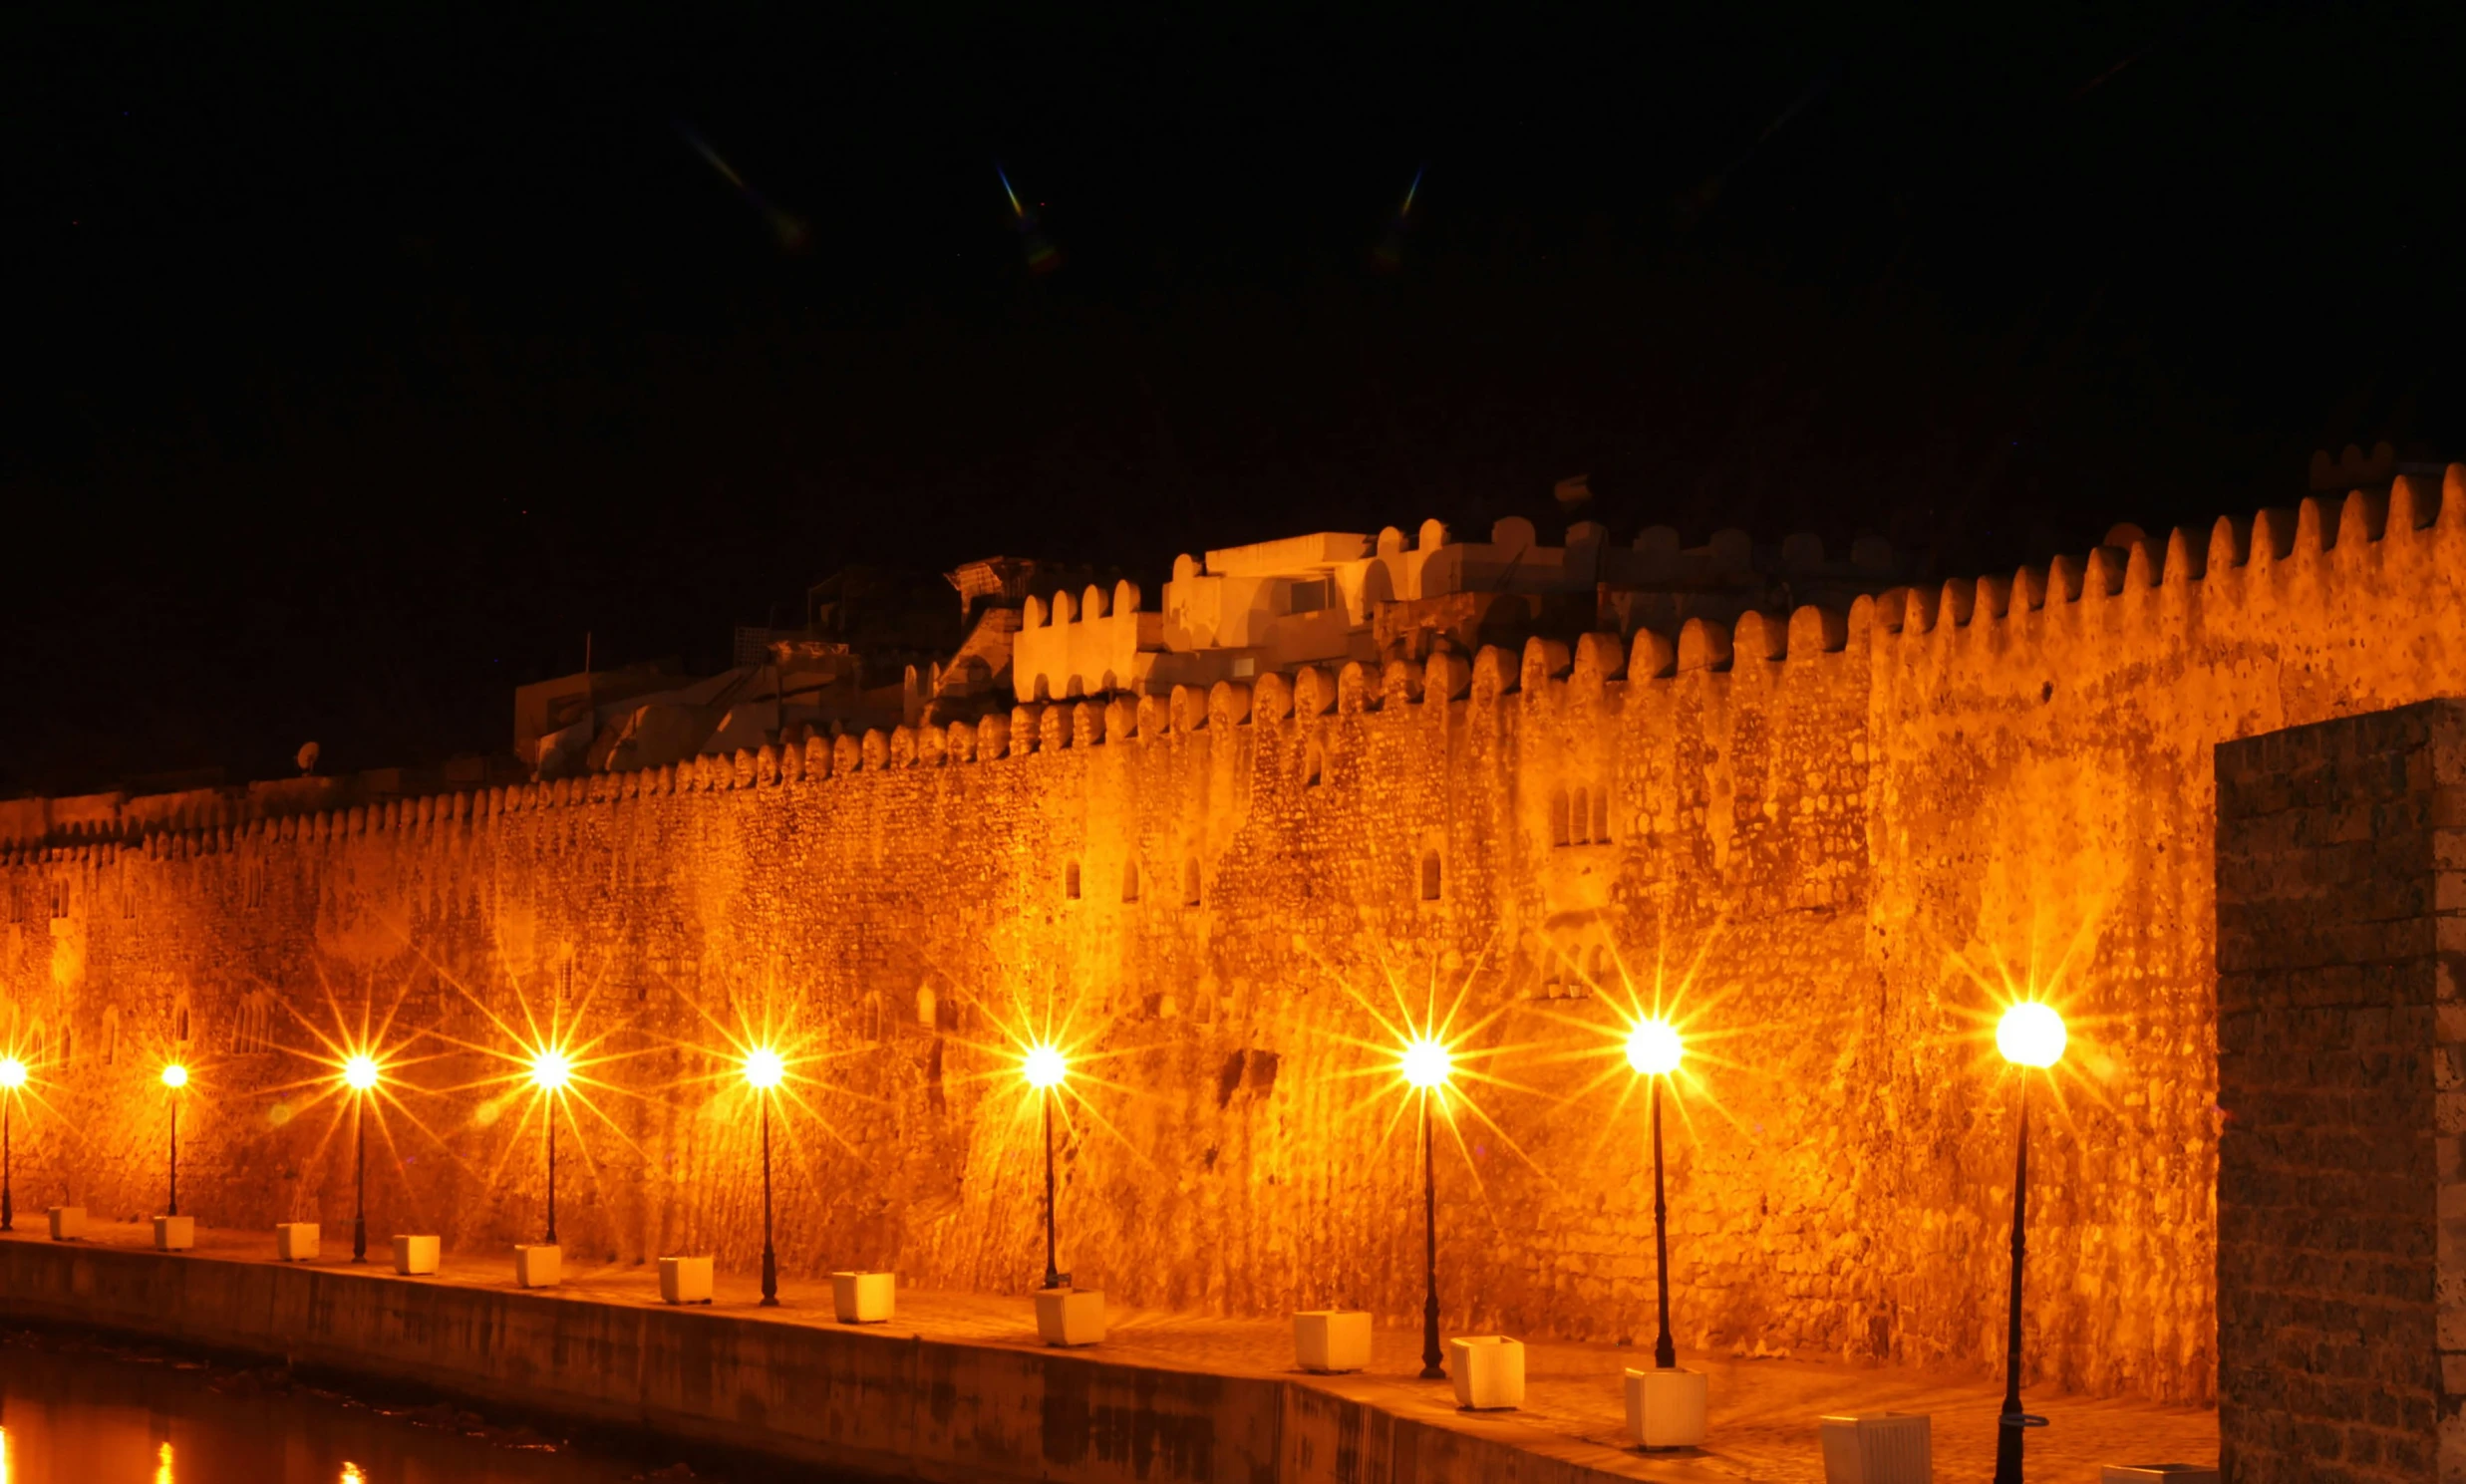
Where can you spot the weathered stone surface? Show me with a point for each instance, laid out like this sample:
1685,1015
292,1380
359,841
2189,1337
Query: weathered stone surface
1848,855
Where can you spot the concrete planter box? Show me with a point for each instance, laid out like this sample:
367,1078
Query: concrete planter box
2157,1473
1071,1317
68,1223
414,1256
1879,1448
538,1267
684,1280
1664,1409
175,1233
296,1241
1488,1371
1331,1340
868,1298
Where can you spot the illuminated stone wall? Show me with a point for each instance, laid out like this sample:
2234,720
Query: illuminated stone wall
1851,833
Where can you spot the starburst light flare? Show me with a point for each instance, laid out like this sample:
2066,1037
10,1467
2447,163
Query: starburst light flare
175,1075
1426,1062
2031,1033
12,1079
552,1069
360,1074
1654,1047
764,1068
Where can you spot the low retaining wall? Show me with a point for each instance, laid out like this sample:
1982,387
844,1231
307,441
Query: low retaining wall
846,1399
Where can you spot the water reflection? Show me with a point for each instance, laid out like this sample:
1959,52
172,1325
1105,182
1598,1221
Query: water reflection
78,1414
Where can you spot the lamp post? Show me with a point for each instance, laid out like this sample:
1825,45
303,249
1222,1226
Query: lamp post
360,1075
1045,1067
2031,1035
764,1069
1426,1066
12,1077
1654,1049
175,1076
550,1070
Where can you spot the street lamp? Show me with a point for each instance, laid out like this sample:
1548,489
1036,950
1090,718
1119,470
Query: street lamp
1045,1066
1654,1050
2031,1035
175,1076
1425,1065
360,1075
550,1071
764,1069
12,1077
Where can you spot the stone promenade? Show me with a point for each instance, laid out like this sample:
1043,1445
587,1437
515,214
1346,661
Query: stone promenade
1762,1411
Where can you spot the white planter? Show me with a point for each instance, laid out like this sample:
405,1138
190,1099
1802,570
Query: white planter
1879,1448
175,1233
684,1280
1664,1409
538,1267
1488,1372
68,1223
2157,1473
414,1256
1330,1340
1069,1317
868,1298
296,1241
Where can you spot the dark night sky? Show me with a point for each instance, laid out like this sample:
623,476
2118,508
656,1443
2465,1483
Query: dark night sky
363,362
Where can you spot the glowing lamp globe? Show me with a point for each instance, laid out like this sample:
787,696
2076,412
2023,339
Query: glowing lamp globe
764,1069
550,1070
1044,1066
1654,1047
2031,1035
1425,1064
360,1074
175,1075
12,1073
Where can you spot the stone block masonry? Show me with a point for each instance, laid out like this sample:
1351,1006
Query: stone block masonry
2341,1323
1850,834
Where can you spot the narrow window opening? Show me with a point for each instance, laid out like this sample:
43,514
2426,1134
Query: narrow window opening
1430,876
1580,819
1069,881
1130,881
1558,817
1601,817
1313,766
1191,882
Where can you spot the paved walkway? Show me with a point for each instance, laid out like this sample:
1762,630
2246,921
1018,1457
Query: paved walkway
1763,1412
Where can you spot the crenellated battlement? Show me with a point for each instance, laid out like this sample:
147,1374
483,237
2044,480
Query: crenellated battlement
1850,830
2246,574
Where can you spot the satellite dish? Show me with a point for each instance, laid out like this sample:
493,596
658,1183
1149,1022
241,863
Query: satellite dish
308,758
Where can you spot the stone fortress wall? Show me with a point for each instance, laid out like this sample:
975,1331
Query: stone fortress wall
1847,833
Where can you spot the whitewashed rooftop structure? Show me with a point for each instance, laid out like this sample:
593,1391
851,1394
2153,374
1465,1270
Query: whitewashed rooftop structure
1277,605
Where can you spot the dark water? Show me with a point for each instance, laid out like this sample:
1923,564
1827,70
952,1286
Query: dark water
78,1413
